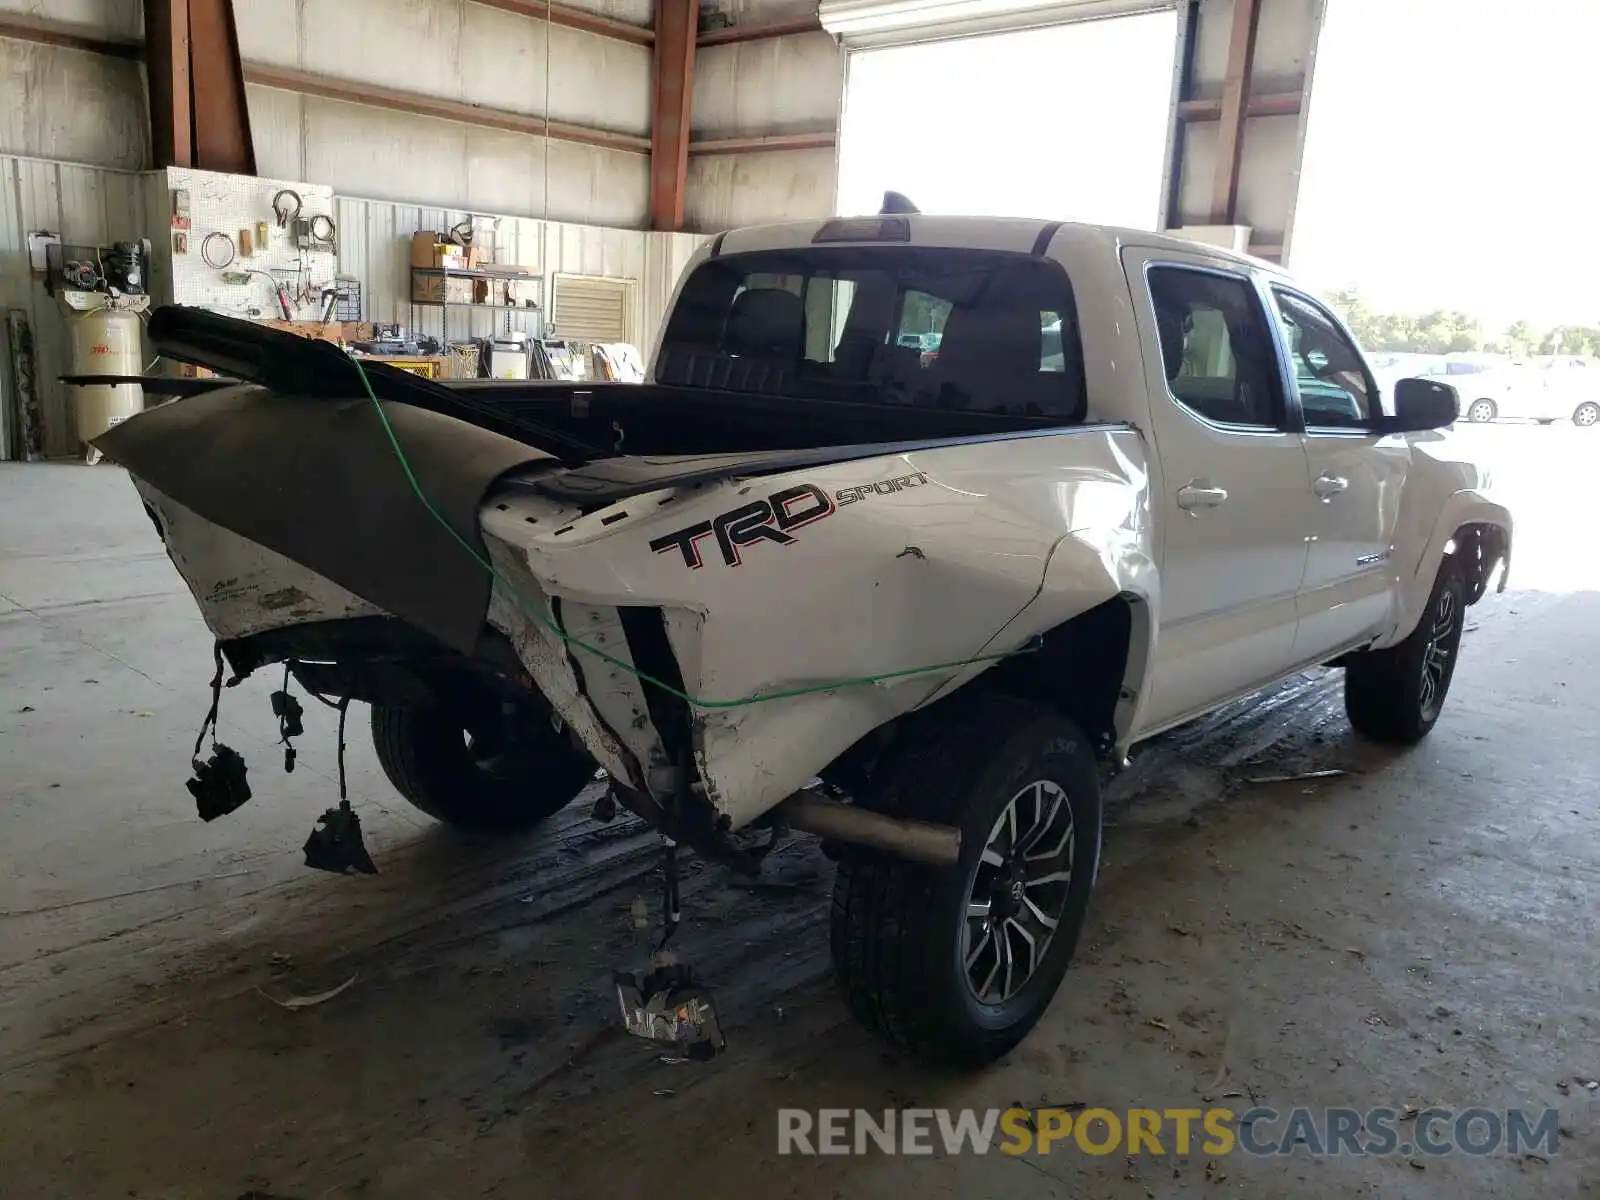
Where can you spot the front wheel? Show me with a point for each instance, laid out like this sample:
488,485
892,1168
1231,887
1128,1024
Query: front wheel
1481,411
1396,694
958,963
1587,415
490,772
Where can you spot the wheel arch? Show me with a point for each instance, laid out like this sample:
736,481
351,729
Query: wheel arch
1091,667
1474,530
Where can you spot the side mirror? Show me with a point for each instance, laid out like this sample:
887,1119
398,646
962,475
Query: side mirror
1422,404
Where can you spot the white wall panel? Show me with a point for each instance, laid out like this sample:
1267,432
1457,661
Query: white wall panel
779,85
70,104
395,156
455,51
123,18
726,190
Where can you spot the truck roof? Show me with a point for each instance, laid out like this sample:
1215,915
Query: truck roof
1016,234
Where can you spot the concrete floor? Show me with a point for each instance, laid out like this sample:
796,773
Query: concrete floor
1420,929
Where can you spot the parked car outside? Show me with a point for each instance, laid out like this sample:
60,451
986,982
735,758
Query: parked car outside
1545,389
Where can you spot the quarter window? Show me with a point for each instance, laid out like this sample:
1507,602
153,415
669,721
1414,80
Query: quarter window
1216,347
1335,388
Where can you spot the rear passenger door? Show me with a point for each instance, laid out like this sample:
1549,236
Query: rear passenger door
1230,490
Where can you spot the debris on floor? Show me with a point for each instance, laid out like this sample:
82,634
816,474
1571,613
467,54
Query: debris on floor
298,1002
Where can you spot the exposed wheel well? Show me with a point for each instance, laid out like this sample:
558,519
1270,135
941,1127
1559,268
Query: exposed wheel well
1479,548
1082,669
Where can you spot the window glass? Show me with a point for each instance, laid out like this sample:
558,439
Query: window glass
1334,386
1216,348
965,330
922,319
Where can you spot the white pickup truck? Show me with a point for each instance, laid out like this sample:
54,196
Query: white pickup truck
1138,478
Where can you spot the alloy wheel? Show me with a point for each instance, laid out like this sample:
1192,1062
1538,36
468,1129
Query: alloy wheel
1436,658
1018,891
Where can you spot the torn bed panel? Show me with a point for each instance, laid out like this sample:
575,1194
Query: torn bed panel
242,587
317,480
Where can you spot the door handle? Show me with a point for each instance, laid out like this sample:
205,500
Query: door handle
1328,486
1198,493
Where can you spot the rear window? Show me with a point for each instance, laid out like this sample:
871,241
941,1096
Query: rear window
961,330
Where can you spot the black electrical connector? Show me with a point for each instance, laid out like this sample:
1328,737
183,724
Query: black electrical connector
219,785
335,843
290,716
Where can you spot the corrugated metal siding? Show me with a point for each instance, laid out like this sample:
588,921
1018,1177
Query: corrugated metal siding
84,205
375,247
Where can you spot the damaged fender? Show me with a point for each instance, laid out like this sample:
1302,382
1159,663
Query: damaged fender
778,595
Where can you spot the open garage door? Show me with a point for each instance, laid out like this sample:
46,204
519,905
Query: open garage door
1038,108
877,24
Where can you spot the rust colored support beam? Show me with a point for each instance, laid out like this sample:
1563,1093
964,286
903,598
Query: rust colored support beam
756,31
1235,98
307,84
72,37
676,24
222,140
575,18
166,40
1266,104
824,139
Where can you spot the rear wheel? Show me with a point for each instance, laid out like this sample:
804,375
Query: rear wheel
490,772
1396,695
1481,411
1586,415
958,963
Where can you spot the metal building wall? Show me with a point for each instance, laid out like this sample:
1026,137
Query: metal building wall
84,204
460,51
57,102
780,88
375,247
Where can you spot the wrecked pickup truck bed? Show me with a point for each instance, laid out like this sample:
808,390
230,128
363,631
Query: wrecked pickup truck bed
811,576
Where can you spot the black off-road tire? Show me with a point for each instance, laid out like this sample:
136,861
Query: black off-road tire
1385,694
899,928
533,773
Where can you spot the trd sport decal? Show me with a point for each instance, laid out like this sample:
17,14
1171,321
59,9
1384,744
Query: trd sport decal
850,495
774,519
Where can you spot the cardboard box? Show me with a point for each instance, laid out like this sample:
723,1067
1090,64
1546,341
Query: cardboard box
427,289
428,250
440,289
424,246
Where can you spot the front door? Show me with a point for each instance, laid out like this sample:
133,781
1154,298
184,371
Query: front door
1229,488
1354,476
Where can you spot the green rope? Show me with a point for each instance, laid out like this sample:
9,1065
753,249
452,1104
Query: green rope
549,623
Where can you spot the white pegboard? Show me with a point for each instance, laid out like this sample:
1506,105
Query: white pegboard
227,204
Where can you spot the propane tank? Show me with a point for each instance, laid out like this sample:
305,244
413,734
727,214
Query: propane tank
107,339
